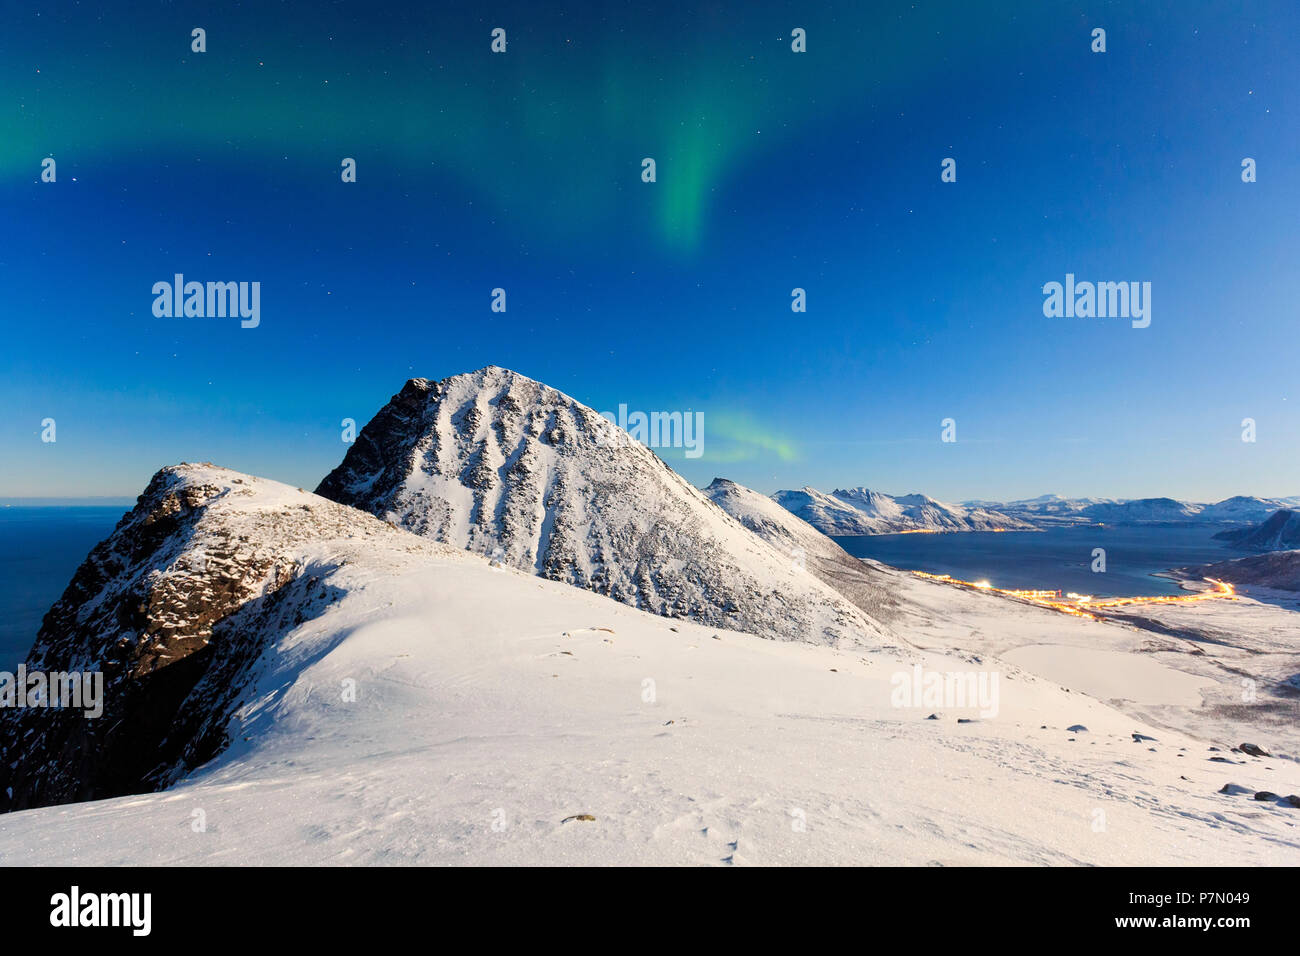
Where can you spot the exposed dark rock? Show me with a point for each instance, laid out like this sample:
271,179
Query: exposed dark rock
1235,789
1279,532
173,608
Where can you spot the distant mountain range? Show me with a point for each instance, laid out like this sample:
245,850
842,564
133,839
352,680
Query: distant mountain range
1044,505
1239,508
863,511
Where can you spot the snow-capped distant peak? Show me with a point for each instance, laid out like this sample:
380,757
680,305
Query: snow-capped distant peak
849,511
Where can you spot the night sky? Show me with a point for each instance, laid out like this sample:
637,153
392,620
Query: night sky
775,170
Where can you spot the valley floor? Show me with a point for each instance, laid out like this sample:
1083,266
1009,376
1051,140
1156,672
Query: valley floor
1227,671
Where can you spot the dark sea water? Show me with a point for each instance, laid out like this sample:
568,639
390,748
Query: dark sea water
1060,558
40,550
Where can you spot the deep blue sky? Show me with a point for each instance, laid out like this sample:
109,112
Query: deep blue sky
775,170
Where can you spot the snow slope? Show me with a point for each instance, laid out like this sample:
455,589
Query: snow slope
1138,657
860,581
173,608
496,463
436,709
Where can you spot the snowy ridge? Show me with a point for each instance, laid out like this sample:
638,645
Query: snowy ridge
173,608
498,464
860,581
766,518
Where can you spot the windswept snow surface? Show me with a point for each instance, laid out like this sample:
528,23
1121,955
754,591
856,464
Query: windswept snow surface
493,707
1226,671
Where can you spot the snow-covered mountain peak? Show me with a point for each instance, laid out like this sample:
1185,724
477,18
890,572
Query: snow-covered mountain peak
500,464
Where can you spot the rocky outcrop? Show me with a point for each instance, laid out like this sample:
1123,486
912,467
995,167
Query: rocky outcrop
1276,570
174,609
862,582
1280,532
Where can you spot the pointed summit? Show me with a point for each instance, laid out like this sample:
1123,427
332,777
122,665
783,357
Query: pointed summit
500,464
